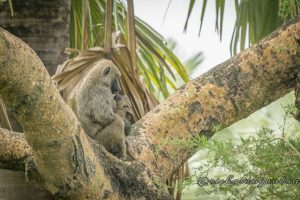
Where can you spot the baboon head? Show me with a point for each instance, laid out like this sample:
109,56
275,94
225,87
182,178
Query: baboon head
110,75
123,106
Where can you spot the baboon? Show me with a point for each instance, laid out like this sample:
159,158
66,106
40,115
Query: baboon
96,104
124,110
112,137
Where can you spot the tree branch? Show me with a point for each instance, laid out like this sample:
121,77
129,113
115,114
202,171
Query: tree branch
65,160
227,93
68,163
14,150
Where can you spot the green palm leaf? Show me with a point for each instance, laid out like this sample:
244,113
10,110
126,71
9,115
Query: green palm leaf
254,19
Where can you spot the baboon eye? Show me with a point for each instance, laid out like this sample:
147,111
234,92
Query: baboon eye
126,106
106,70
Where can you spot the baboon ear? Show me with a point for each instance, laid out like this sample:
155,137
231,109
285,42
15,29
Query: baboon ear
106,70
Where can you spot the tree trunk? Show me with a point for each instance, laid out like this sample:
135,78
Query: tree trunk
43,25
70,166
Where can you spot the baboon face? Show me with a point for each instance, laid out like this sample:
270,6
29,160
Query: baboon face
123,103
128,116
124,109
110,77
115,86
124,106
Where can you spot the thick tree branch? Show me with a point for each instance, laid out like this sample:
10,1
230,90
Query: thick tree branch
227,93
67,162
14,150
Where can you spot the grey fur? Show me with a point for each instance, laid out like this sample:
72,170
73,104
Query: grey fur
125,111
96,104
112,137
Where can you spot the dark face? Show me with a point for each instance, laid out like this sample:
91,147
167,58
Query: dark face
128,116
115,86
127,127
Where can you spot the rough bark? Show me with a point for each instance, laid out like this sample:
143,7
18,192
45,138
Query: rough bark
297,100
44,25
222,96
37,106
4,120
227,93
14,150
69,165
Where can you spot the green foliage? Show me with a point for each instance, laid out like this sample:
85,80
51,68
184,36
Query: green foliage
254,19
289,8
261,158
190,64
269,155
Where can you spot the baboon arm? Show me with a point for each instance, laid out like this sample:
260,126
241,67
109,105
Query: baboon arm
105,115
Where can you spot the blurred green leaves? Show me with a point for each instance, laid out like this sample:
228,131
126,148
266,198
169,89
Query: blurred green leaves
289,8
254,19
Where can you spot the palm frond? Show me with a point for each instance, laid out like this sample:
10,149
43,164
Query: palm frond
289,8
11,7
146,37
191,6
99,30
254,19
193,62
